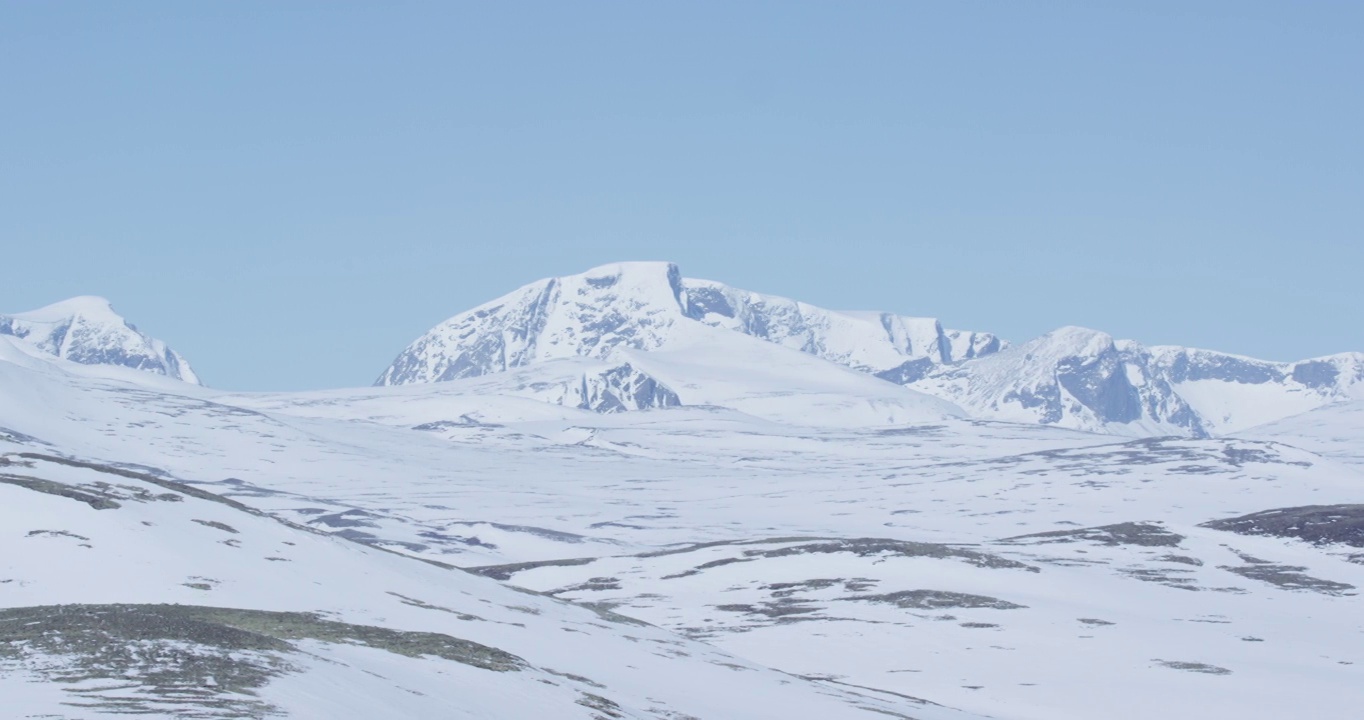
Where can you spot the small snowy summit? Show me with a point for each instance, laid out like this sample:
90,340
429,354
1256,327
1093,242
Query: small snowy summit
86,330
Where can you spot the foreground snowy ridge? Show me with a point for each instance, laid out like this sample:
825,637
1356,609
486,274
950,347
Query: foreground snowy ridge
201,607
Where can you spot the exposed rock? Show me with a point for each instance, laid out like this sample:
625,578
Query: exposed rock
1128,533
1320,524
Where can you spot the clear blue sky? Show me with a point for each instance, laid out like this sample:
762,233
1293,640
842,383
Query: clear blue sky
290,192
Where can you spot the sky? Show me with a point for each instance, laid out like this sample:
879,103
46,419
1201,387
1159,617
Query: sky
290,193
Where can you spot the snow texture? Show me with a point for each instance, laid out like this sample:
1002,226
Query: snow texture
635,508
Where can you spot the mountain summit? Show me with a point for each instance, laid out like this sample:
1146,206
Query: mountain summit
649,306
86,330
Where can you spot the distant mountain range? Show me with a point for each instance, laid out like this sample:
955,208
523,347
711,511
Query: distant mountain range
1072,377
638,335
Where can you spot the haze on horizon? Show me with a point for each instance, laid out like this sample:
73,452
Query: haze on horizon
288,194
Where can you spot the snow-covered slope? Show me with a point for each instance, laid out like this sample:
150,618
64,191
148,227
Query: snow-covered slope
124,591
650,306
1335,430
86,330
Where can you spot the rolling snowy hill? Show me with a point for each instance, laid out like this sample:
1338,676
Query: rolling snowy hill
128,592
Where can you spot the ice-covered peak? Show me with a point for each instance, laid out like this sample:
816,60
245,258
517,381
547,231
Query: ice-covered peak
88,331
644,284
632,304
637,273
91,307
1072,340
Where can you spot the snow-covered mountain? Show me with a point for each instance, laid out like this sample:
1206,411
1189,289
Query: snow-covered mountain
1084,379
636,336
1231,393
86,330
649,306
1072,377
643,317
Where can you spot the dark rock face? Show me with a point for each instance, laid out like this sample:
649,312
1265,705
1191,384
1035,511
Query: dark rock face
157,659
702,301
1196,667
937,600
1211,366
1316,373
625,388
1101,385
988,345
1289,577
1320,524
1130,533
909,372
868,547
1047,396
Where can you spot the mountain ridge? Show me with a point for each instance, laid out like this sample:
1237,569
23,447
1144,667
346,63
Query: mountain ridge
657,339
1071,377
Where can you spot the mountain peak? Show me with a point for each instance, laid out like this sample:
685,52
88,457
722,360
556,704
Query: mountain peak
1070,340
1077,334
643,281
626,304
640,270
87,330
92,307
649,305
